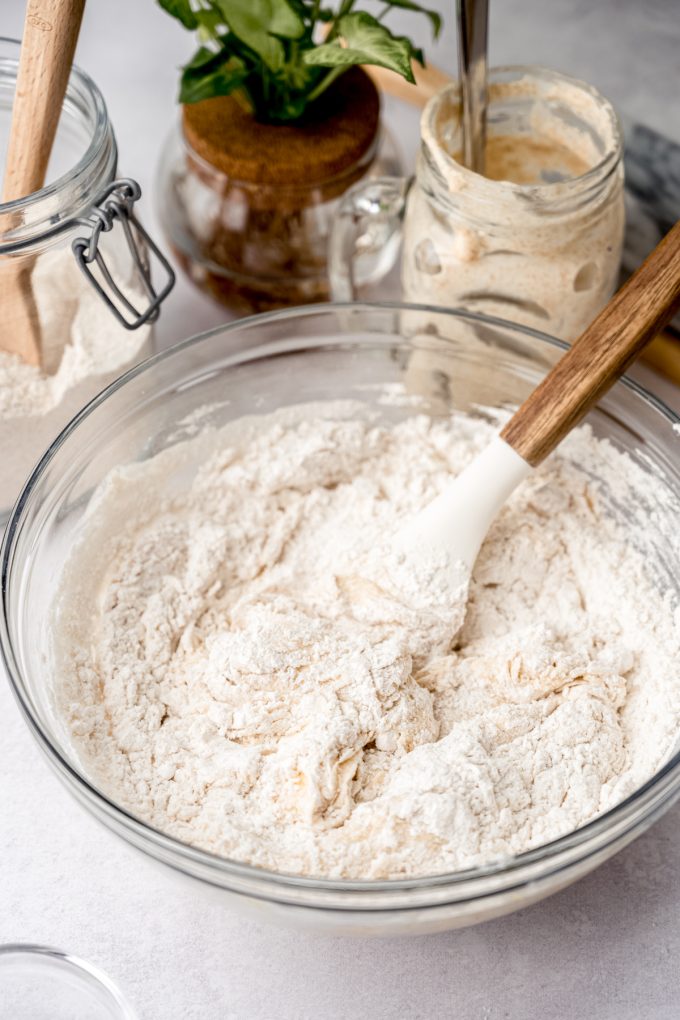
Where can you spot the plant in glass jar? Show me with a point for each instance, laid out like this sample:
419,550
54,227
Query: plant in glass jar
278,121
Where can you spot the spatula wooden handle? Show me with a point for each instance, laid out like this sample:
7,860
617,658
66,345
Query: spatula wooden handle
643,306
50,35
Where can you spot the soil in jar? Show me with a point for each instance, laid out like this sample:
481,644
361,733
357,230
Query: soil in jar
273,191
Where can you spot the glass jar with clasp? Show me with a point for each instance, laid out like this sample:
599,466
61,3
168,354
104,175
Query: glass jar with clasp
537,239
90,270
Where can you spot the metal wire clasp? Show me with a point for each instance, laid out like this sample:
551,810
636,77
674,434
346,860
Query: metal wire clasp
115,204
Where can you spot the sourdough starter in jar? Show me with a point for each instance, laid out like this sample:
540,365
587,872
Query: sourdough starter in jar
538,238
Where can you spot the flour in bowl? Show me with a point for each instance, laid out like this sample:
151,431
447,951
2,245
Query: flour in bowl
234,674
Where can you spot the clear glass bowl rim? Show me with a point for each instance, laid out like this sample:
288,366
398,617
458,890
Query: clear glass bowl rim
85,971
505,875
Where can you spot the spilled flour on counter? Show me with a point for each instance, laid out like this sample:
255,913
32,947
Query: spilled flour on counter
233,672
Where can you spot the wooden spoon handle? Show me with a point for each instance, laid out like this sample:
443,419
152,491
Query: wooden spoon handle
643,306
50,35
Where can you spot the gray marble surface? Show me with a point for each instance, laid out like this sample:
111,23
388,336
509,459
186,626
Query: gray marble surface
605,949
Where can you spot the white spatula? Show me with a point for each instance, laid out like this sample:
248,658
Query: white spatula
455,524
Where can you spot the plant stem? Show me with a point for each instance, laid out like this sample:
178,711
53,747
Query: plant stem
244,100
345,7
324,83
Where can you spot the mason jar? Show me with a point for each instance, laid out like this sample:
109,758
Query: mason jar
85,270
536,240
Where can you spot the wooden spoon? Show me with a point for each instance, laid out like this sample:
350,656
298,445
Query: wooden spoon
50,35
455,524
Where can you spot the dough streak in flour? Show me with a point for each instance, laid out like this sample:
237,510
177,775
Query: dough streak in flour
250,683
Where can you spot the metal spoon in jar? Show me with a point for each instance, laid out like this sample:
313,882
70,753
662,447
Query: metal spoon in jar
472,18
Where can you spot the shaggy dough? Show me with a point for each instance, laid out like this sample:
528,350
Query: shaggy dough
245,685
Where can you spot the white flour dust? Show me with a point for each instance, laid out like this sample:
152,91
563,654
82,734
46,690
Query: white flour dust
245,684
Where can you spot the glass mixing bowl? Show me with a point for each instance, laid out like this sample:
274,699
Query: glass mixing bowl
448,360
41,983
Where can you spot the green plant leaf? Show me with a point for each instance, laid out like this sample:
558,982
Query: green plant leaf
410,5
254,21
417,55
201,59
222,81
265,49
284,20
302,9
181,9
209,21
248,21
367,42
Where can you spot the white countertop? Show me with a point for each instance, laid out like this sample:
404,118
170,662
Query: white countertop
605,949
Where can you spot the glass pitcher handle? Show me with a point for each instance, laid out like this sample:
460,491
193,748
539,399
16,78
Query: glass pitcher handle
365,237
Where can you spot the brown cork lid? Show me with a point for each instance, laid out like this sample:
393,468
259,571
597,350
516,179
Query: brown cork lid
336,132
